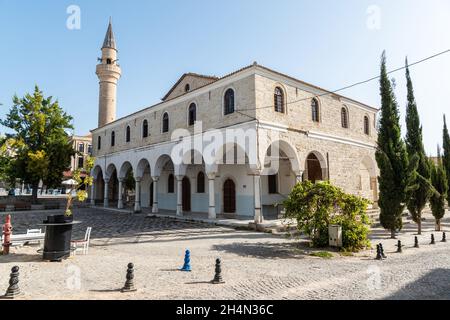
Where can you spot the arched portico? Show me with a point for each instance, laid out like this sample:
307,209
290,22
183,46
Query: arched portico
316,167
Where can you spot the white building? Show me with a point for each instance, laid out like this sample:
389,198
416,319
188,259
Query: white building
285,130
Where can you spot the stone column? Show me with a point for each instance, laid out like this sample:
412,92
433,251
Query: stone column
137,198
93,192
155,195
299,177
179,195
120,195
106,194
212,196
257,192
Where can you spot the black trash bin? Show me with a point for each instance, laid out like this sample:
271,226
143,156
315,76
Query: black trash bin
58,235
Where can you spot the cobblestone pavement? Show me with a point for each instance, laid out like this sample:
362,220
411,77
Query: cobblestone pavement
255,265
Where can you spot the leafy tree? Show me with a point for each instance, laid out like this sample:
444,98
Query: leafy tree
422,189
439,180
446,158
42,147
317,205
391,157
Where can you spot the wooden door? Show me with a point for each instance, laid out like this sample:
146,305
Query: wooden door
186,195
229,197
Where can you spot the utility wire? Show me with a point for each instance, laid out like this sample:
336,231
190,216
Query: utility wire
357,83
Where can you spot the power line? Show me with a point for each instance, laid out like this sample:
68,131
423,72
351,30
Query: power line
357,83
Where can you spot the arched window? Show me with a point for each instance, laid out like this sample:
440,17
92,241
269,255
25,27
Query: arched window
128,135
171,184
187,87
229,102
273,184
279,100
113,139
366,125
315,110
108,61
344,118
192,114
99,143
201,182
165,123
145,129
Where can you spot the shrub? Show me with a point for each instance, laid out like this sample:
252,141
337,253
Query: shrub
316,206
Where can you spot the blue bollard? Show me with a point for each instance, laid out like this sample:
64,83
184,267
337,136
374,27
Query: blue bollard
187,262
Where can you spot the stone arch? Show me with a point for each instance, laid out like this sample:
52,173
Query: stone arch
96,172
141,167
316,167
367,181
126,166
160,163
283,150
110,170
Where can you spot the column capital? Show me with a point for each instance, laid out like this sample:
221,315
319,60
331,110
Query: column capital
138,180
211,175
106,180
179,177
155,178
121,180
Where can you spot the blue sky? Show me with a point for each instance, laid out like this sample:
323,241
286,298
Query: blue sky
326,43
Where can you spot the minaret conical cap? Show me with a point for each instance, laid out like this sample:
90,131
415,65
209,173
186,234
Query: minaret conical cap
110,41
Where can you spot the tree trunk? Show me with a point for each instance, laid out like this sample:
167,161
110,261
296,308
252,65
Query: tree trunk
438,225
393,234
419,227
34,195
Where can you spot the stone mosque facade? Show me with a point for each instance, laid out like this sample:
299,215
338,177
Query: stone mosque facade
184,159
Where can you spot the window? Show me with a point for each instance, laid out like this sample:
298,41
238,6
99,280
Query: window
192,114
273,184
80,162
366,125
171,184
187,87
229,102
201,182
108,61
145,129
165,123
279,100
113,139
90,149
81,147
344,118
99,143
128,134
315,110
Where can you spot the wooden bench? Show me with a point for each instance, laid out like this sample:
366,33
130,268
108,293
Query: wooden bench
33,235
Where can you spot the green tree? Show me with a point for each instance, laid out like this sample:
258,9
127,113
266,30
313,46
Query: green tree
439,180
42,148
315,206
446,158
421,190
391,157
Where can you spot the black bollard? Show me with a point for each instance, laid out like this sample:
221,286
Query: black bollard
13,289
399,247
433,241
379,257
444,237
416,242
382,251
129,284
218,275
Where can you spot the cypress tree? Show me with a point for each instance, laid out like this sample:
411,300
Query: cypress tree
439,181
421,188
391,157
446,158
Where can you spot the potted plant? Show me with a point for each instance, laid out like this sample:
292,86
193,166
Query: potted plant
59,227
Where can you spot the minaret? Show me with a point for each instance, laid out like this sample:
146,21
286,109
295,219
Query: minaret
108,72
